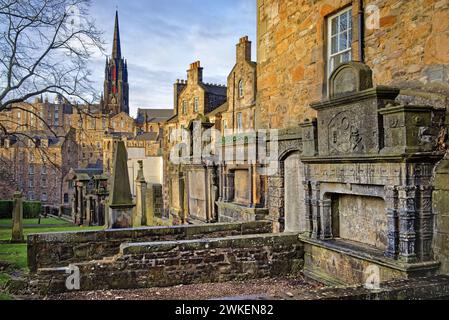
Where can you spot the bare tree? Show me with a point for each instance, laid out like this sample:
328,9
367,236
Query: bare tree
44,48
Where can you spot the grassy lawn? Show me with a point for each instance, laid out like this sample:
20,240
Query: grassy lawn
44,221
16,254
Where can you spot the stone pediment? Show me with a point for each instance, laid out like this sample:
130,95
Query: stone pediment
350,78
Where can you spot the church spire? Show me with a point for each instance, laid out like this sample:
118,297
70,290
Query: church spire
116,49
116,88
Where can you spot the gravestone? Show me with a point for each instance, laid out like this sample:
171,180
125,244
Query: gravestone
17,219
120,199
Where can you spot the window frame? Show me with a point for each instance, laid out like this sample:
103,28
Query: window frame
241,90
196,105
330,35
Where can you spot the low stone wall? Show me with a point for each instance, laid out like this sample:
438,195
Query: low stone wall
161,264
61,249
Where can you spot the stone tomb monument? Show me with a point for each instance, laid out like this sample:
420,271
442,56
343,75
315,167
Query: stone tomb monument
368,165
120,198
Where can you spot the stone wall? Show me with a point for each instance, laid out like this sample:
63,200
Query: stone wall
407,50
61,249
231,212
441,212
163,264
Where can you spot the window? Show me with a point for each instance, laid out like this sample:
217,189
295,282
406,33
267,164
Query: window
31,183
31,169
239,122
241,89
184,107
195,104
339,39
44,182
44,170
44,197
31,196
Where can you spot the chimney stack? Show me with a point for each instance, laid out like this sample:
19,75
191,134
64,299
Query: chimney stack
195,73
244,49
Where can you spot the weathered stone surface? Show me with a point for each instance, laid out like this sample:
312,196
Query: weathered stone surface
120,198
340,264
441,211
61,249
17,218
231,212
143,265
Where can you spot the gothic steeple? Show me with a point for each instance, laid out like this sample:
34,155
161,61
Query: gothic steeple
116,49
116,88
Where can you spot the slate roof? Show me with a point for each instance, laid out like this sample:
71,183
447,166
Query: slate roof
153,115
147,136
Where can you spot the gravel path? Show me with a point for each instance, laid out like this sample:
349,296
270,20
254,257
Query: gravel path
280,287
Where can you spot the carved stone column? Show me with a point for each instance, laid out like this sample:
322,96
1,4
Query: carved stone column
424,223
326,219
308,206
392,202
315,201
407,219
88,220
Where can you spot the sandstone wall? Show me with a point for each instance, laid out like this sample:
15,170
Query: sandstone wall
61,249
165,264
408,50
441,211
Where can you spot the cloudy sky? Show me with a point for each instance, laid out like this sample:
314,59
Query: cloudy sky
160,38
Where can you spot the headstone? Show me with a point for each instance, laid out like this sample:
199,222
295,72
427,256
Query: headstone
120,199
17,218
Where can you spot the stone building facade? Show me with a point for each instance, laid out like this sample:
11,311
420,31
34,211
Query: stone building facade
189,183
404,43
239,180
36,164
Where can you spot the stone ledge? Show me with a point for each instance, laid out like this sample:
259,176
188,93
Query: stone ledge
228,242
370,254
